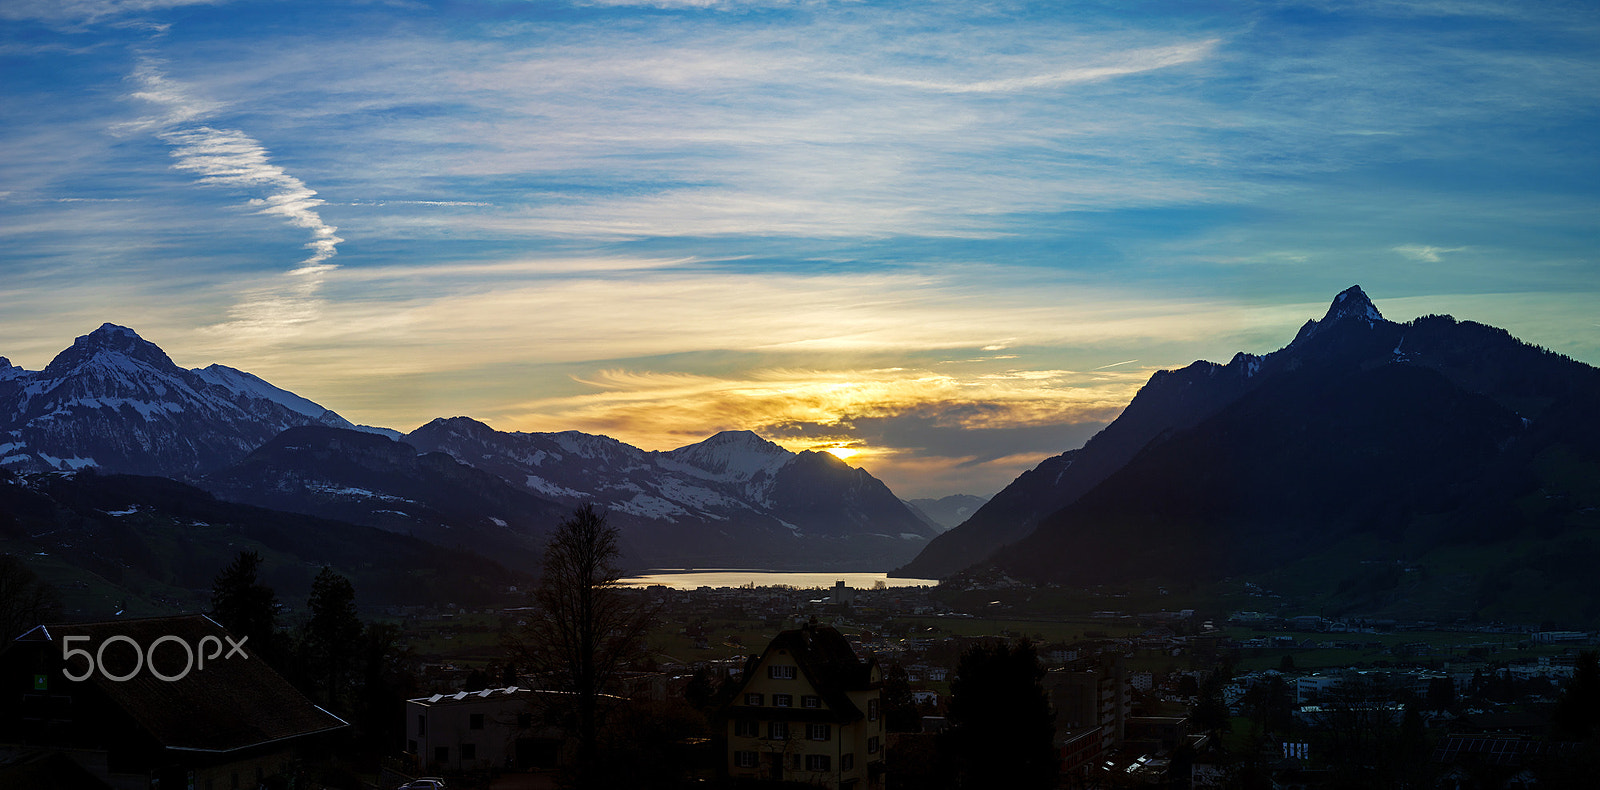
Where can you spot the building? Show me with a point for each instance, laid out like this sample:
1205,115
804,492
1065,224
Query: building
1092,700
472,730
807,710
166,702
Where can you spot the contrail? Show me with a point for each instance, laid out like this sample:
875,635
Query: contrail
1114,364
231,158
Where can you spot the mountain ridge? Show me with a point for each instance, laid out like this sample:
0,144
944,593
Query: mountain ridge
1351,335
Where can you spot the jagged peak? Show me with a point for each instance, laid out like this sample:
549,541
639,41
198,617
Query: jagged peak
1352,302
1350,305
109,338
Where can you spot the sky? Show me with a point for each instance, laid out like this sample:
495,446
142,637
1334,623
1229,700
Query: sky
951,238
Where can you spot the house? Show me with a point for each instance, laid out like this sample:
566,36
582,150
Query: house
471,730
169,702
807,710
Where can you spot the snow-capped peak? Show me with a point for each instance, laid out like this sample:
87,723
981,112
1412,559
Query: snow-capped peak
733,455
1352,302
109,339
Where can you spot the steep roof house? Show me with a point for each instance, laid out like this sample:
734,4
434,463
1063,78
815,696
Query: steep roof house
167,702
807,710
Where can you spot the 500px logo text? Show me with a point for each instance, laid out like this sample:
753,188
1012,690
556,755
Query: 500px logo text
147,655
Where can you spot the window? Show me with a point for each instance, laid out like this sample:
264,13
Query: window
777,730
810,701
818,762
819,732
872,710
524,720
475,721
745,759
783,700
847,762
781,671
422,725
441,754
872,745
752,699
469,751
794,761
745,728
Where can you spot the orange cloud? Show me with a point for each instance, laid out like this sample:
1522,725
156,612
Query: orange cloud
890,418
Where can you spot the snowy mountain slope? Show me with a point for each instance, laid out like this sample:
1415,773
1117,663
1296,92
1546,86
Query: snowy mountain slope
116,401
734,498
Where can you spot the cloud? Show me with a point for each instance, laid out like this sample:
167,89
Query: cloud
232,159
88,11
1426,253
983,428
1120,64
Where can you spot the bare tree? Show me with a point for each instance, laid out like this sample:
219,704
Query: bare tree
585,629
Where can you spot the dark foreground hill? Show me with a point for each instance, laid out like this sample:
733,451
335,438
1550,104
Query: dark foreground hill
150,545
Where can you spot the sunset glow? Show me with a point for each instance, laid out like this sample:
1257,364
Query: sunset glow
939,240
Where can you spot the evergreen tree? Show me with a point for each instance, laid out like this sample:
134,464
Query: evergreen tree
1001,727
331,642
1578,709
245,606
701,690
386,683
900,712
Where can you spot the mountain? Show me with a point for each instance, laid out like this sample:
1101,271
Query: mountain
1361,438
366,479
946,512
116,402
733,500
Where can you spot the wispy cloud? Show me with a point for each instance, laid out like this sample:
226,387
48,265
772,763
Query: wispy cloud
231,159
1426,252
1118,65
88,11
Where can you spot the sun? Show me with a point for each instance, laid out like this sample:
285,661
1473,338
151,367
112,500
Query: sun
843,453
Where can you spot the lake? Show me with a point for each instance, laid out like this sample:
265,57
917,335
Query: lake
686,579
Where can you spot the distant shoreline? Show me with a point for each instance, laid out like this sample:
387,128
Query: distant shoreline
695,578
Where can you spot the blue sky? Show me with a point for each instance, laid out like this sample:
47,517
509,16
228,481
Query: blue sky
954,237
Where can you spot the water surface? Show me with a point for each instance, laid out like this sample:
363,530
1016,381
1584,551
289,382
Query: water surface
690,579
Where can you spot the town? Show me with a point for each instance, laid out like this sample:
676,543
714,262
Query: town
840,687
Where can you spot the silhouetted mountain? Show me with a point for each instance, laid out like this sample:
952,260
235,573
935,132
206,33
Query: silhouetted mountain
733,500
152,545
946,512
1363,437
368,479
116,402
